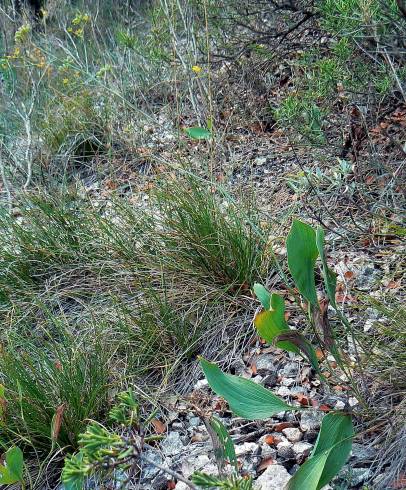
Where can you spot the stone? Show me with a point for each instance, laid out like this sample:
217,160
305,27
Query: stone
150,471
292,434
310,435
288,381
259,161
285,450
265,364
340,405
362,454
310,420
275,477
267,452
359,475
298,390
172,444
302,449
194,421
289,370
283,391
280,415
198,463
246,448
202,384
181,486
354,476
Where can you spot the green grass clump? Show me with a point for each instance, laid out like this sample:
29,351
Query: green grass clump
68,376
208,237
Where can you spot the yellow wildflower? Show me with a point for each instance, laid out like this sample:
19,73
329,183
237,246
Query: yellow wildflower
65,81
70,29
79,32
16,53
22,33
196,69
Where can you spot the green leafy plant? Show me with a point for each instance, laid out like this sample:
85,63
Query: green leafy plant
252,401
11,471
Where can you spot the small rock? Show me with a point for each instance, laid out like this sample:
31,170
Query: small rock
177,425
294,468
352,401
283,391
310,420
290,370
288,382
298,390
339,405
259,161
265,364
246,448
275,477
285,450
172,444
194,421
292,434
149,471
198,463
362,454
310,435
280,415
181,486
355,476
302,449
201,384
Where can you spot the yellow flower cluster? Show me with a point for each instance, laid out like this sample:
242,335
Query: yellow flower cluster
196,69
78,23
22,33
15,54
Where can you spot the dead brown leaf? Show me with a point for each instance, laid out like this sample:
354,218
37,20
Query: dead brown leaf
160,427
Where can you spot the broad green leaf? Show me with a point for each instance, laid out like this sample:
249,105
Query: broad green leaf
271,323
309,474
263,295
302,256
227,449
331,451
198,133
12,471
246,398
336,435
296,338
329,276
